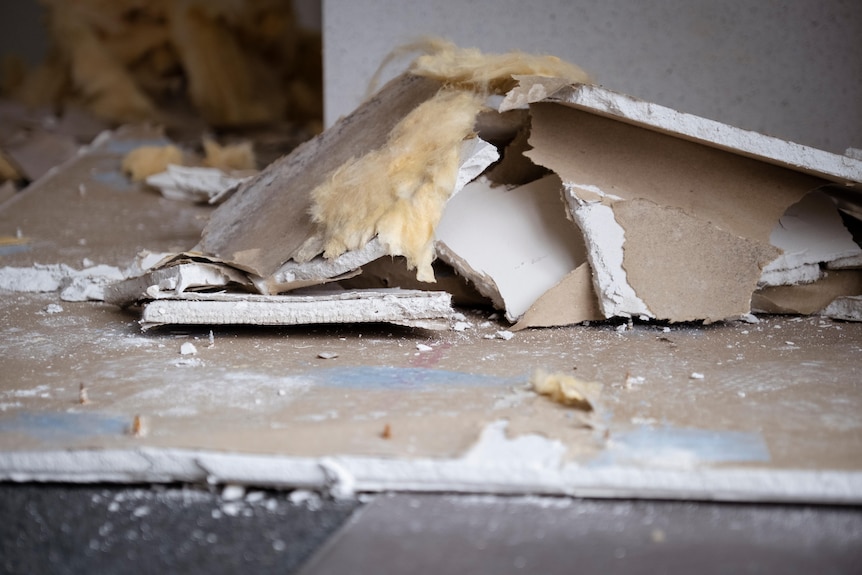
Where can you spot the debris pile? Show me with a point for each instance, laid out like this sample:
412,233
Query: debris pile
558,200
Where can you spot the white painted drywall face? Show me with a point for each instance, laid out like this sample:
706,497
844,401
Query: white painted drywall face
791,69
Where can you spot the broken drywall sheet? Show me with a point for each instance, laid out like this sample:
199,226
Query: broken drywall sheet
848,308
628,109
513,244
176,279
475,156
809,298
714,195
809,233
88,284
267,222
430,310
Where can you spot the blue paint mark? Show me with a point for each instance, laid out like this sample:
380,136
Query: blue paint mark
123,147
14,249
114,179
64,426
404,378
670,446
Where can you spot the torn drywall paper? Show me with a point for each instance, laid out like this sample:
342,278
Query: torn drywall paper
195,184
606,163
628,109
571,301
514,244
808,298
703,272
809,233
174,279
605,239
391,306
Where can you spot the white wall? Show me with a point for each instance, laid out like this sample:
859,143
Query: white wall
791,68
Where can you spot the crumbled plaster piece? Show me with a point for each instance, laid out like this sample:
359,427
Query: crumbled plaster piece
504,334
848,308
232,492
461,326
327,355
74,285
195,184
696,375
423,347
188,348
53,308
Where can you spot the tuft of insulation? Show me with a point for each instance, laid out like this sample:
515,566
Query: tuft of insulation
398,192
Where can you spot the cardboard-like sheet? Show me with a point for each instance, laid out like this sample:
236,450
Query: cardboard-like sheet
513,244
708,192
265,223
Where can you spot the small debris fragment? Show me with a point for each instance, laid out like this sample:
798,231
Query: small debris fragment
665,329
87,263
232,493
696,375
53,308
140,426
633,380
188,348
423,347
750,318
566,389
505,334
327,355
462,326
387,432
82,395
211,340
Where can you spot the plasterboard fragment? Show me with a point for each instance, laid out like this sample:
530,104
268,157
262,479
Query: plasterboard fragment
519,239
606,163
845,308
571,301
172,280
475,156
393,306
809,233
266,222
605,239
195,184
808,298
74,285
704,273
628,109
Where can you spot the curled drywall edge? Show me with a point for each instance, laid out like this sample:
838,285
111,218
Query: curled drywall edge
476,156
477,474
848,308
605,239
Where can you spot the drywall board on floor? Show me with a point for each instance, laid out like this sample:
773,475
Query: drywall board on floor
764,411
760,67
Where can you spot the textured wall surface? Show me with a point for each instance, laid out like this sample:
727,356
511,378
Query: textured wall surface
789,69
